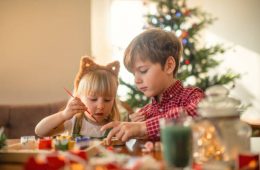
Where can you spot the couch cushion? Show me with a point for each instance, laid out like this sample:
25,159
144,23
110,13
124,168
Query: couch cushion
5,117
22,119
58,106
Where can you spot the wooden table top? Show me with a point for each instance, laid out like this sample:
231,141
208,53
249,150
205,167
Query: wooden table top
135,151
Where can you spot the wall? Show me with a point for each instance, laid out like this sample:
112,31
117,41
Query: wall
238,27
101,47
238,21
41,42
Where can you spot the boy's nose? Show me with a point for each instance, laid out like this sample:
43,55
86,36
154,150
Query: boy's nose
137,80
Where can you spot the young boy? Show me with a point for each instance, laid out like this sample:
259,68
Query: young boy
153,57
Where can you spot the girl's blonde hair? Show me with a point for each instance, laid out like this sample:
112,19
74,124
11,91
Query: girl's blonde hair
94,79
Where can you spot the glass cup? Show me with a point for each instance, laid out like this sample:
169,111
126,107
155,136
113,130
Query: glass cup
176,137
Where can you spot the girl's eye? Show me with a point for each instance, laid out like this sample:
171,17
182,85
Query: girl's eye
92,99
107,100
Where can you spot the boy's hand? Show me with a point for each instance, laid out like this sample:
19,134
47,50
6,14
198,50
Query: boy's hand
125,130
137,117
73,107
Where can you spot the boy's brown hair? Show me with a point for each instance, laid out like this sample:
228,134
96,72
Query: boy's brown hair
155,45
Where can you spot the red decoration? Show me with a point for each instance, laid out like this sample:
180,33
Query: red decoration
55,162
187,62
110,148
52,163
196,166
112,166
80,153
187,12
248,161
184,34
45,143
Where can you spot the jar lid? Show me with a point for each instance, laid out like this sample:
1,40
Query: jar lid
217,103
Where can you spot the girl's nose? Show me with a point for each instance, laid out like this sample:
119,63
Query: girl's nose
100,105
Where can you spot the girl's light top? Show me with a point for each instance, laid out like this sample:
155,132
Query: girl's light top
87,128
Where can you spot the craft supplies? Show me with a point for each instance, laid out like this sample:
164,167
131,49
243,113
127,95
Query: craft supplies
45,143
82,142
28,142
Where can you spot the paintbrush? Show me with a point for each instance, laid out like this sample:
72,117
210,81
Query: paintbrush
69,93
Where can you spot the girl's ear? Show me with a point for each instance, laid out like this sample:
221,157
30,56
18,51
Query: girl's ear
170,65
114,67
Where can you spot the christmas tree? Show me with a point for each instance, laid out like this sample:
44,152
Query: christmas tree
197,59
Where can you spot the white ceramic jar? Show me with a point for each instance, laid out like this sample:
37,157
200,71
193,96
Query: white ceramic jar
220,135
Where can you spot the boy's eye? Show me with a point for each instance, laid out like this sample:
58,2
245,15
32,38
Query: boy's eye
143,71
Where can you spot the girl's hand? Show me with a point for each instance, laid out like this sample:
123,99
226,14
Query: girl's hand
125,130
137,117
73,107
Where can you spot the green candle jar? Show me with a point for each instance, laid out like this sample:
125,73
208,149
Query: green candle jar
176,137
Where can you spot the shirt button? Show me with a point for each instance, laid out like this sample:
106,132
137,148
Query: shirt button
160,110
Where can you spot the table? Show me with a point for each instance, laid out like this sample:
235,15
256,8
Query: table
255,147
18,160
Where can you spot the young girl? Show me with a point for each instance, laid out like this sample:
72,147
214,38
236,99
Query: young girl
92,105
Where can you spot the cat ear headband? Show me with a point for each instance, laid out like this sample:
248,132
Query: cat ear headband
87,65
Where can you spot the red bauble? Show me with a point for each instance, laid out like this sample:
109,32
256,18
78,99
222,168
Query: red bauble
187,62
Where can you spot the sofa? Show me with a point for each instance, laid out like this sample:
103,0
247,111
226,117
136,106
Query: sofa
20,120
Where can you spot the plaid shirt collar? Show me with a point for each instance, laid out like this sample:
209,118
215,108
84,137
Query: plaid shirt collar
173,92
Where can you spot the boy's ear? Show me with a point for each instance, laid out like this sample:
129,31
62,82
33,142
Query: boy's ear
170,65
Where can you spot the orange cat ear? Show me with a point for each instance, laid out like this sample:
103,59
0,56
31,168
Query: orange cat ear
86,64
114,67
